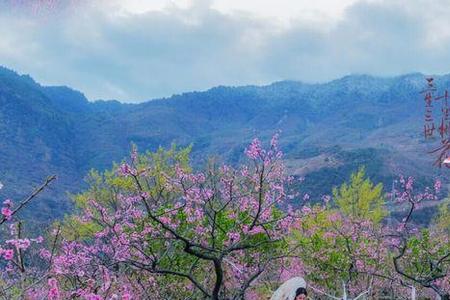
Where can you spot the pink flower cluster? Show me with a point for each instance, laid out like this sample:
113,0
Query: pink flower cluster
6,209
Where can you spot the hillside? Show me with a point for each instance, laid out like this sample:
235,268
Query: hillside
328,130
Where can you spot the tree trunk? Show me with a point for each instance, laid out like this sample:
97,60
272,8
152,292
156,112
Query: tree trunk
413,293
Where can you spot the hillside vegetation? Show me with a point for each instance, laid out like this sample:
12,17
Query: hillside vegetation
327,131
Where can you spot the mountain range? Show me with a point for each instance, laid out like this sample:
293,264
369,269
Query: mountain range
327,131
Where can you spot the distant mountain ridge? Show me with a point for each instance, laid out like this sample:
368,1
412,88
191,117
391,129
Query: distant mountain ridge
328,130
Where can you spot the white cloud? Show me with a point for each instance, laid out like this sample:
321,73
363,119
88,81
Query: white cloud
287,11
282,12
136,50
137,7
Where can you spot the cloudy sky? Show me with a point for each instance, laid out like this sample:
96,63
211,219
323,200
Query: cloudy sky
135,50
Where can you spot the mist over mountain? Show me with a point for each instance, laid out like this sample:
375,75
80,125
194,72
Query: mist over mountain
327,131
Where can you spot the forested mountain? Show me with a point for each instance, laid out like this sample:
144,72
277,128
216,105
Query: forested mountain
327,130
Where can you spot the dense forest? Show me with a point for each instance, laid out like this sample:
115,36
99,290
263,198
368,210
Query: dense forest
327,131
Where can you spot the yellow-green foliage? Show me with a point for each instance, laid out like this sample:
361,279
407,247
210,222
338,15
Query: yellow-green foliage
360,198
105,187
442,219
73,229
324,243
331,266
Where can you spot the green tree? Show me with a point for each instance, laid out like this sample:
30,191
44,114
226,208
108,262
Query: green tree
442,219
341,244
361,198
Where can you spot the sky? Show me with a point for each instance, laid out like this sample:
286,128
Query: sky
137,50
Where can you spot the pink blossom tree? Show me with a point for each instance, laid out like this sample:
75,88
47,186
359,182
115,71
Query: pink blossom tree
421,255
21,269
208,234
